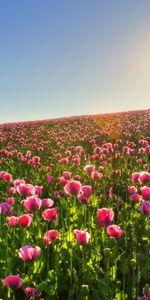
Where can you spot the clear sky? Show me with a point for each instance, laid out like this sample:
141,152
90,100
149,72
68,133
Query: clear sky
72,57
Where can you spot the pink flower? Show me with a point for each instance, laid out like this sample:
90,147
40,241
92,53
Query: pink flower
72,188
32,203
18,181
37,190
24,189
31,292
145,207
50,179
12,190
83,198
13,281
89,168
49,236
114,231
95,175
6,177
132,190
135,176
67,175
27,252
135,197
144,177
12,221
47,203
10,200
5,208
53,234
145,191
25,220
86,190
49,214
105,216
82,237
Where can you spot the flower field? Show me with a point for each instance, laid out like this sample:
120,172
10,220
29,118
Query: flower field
75,208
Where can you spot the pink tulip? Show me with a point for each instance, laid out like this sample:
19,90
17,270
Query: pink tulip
144,177
5,208
10,200
6,176
24,189
145,207
95,175
82,237
67,175
27,252
135,197
37,190
72,188
86,190
145,191
132,190
135,176
18,182
12,221
105,216
89,168
82,198
32,203
114,231
50,214
31,292
46,203
50,179
13,281
25,220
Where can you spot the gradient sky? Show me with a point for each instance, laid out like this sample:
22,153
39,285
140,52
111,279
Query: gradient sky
73,57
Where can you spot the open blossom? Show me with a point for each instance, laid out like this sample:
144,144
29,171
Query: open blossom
132,190
49,214
25,220
46,203
96,175
27,252
89,168
17,182
24,189
13,281
37,190
135,197
5,208
144,177
50,179
12,221
82,236
135,176
105,216
50,236
32,203
114,231
86,190
31,292
145,191
145,207
72,188
6,176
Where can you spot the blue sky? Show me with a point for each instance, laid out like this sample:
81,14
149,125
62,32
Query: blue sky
61,58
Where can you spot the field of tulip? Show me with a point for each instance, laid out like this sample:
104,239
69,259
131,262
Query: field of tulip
75,208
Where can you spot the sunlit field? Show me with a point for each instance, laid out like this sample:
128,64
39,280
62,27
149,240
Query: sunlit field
75,208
